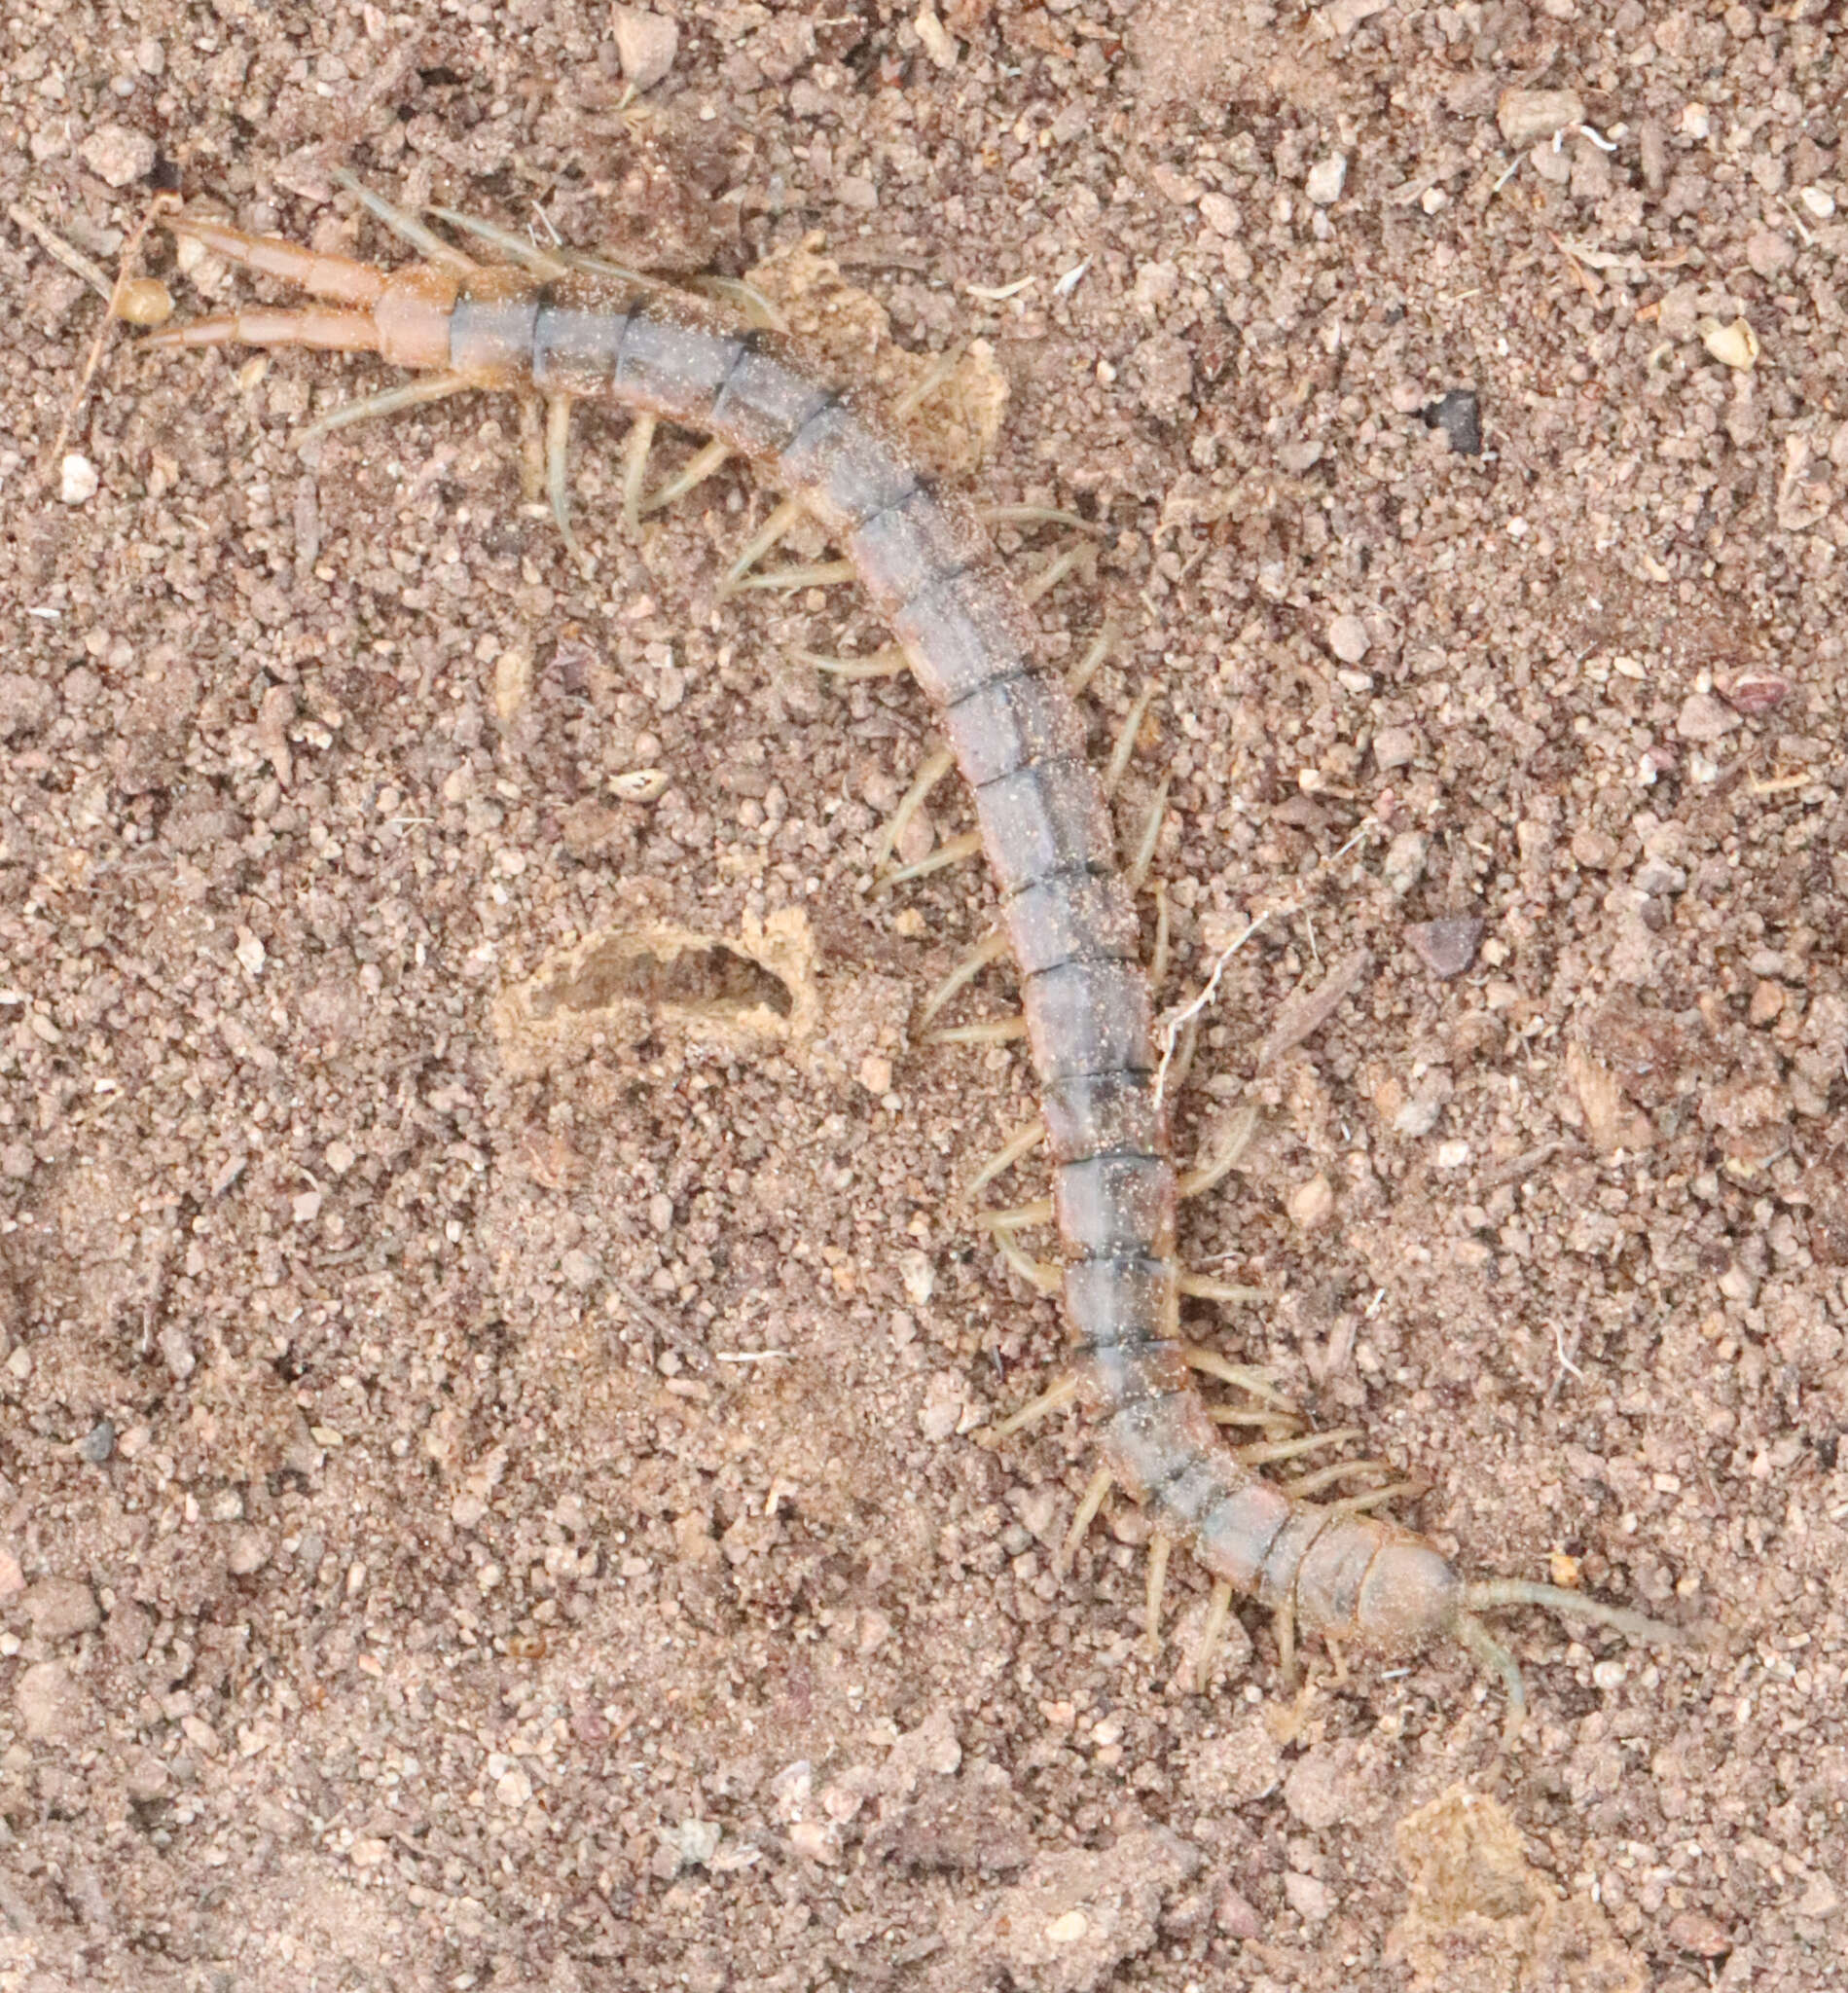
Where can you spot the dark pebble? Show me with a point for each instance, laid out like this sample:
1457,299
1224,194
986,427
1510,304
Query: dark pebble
98,1443
1458,414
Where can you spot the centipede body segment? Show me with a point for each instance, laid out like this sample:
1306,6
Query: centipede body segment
1066,911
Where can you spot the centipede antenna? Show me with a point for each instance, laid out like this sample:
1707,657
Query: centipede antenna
1136,870
637,445
889,663
1160,1549
1126,735
587,263
1022,1142
408,394
990,948
1489,1653
700,466
1086,669
405,225
1054,1399
931,771
1158,955
1043,1275
1100,1487
783,515
914,397
1485,1594
521,249
811,575
952,852
1218,1611
994,1030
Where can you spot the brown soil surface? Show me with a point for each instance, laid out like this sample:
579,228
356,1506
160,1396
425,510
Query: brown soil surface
491,1352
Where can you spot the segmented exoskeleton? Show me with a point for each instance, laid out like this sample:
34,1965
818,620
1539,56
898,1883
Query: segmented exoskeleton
572,328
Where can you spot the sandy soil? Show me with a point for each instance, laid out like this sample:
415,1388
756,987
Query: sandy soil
489,1492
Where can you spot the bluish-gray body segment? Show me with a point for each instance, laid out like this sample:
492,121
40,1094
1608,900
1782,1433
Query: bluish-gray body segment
1019,741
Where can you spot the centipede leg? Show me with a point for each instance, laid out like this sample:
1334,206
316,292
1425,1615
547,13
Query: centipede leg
1021,1143
888,663
994,1031
1044,1276
783,515
558,442
1218,1611
700,466
935,767
1285,1623
1125,738
990,948
639,441
951,852
390,401
1160,1548
1055,1398
1101,1482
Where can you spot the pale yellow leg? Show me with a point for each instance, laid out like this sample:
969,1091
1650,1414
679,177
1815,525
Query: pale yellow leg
1218,1611
1021,1143
990,948
1101,1483
1160,1549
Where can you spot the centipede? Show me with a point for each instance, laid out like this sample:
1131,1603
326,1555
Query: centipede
571,327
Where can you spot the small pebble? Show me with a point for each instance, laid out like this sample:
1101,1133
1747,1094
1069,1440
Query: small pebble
1308,1897
1446,947
1703,718
98,1443
1326,178
1348,640
1527,116
1394,748
1819,200
61,1607
1310,1205
646,44
1404,863
1757,692
76,480
117,156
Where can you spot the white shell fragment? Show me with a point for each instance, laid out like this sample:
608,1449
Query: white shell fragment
639,785
1734,346
76,480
